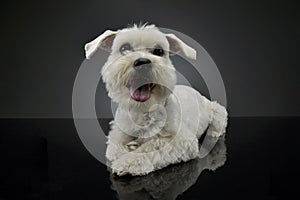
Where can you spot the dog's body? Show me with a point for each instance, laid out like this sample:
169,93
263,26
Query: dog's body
156,123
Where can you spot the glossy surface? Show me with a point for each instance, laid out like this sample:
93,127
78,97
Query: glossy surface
44,159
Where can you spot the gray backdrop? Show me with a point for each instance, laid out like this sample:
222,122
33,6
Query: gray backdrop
254,45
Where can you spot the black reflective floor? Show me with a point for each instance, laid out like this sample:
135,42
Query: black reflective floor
44,159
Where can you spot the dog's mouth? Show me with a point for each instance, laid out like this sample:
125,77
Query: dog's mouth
141,93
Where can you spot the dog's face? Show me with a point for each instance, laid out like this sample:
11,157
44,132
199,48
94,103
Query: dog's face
139,70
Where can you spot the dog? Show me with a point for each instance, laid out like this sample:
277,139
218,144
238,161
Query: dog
157,123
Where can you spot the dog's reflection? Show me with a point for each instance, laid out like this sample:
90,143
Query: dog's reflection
171,181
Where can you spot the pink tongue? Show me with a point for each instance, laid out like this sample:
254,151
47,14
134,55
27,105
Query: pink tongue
140,94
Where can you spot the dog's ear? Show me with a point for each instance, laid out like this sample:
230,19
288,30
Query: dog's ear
105,41
177,45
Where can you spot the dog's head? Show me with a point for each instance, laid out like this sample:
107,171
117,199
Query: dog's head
139,70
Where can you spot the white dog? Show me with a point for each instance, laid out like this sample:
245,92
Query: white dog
156,123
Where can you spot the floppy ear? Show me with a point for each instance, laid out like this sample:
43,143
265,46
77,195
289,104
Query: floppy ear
105,41
177,45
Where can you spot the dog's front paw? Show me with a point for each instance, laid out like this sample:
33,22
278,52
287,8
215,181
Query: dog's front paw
135,164
114,151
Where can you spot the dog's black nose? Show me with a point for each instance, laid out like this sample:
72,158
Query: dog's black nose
142,63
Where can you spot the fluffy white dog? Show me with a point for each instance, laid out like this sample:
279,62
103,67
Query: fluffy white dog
157,122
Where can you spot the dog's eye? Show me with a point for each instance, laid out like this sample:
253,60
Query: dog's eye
158,51
125,48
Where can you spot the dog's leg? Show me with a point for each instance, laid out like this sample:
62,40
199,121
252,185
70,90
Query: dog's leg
157,153
218,122
116,144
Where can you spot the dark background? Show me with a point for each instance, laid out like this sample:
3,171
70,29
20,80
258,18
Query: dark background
254,44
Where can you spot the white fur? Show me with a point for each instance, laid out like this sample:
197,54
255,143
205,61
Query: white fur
172,181
165,129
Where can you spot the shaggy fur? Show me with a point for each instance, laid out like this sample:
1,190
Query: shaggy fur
163,130
170,182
